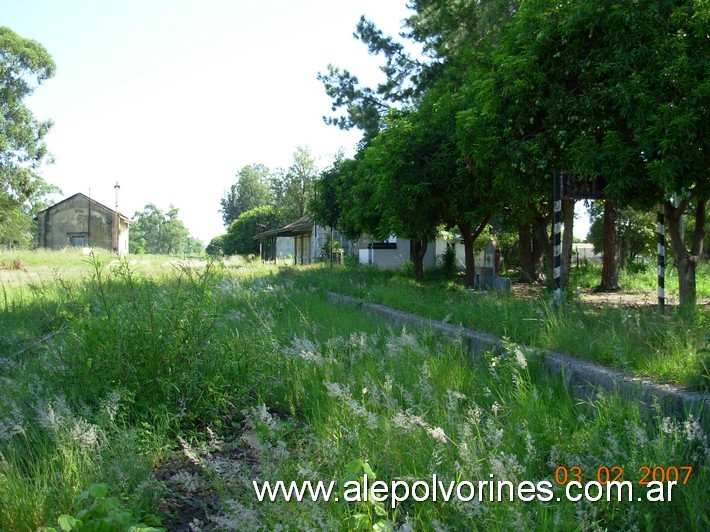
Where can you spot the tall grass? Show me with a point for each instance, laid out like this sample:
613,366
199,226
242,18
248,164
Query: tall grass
642,277
132,361
670,347
412,405
178,388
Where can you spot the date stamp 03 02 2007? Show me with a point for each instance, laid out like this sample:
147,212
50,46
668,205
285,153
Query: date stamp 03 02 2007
605,474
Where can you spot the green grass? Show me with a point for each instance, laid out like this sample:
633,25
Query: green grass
642,277
670,347
179,386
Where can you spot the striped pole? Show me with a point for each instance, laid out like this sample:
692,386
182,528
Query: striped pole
661,230
557,235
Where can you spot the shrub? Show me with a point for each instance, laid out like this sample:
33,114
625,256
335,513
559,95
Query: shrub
160,341
95,510
448,261
351,261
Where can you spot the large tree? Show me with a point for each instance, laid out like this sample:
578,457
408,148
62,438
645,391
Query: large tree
416,178
636,232
24,65
294,187
365,108
638,100
405,193
345,198
158,232
251,190
239,239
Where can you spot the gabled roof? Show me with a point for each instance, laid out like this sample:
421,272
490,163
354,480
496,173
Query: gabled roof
298,227
122,216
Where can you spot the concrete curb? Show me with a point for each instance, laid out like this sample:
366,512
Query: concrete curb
583,378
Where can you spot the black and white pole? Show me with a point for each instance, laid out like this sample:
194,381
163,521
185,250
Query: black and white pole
557,235
661,230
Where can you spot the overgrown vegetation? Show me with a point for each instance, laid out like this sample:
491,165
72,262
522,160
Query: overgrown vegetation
670,347
173,390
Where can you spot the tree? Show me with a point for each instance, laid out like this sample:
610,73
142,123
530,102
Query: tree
365,108
404,191
640,95
216,246
636,232
326,204
24,65
294,188
239,239
413,150
344,198
154,231
18,227
505,145
251,190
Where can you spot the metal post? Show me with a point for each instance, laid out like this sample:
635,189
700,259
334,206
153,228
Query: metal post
557,237
661,230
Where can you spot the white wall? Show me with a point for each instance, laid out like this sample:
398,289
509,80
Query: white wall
284,247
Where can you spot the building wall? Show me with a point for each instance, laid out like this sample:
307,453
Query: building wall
79,222
394,258
122,237
284,247
308,247
302,249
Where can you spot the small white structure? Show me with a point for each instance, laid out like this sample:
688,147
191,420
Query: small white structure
585,251
395,251
303,239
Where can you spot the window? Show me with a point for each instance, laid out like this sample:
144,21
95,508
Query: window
77,240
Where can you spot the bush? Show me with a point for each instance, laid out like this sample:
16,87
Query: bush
336,249
636,267
160,341
351,261
216,246
448,261
406,270
95,510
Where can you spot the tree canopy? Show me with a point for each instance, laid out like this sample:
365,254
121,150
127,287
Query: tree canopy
239,239
24,65
251,190
507,92
155,231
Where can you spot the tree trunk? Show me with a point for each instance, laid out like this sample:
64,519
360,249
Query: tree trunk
542,246
417,252
527,266
469,238
469,260
610,273
567,238
686,261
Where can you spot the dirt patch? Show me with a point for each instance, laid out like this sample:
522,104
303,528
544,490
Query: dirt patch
620,299
15,264
194,477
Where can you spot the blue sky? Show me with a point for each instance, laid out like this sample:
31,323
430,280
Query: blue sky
171,98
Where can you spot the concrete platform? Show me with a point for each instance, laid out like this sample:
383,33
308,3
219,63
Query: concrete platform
583,378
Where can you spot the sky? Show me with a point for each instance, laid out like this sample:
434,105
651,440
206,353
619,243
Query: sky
171,98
